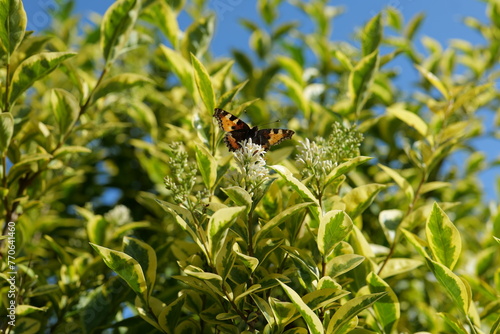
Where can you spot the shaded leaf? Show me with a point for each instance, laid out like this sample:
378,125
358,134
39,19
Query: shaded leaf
206,165
146,256
66,110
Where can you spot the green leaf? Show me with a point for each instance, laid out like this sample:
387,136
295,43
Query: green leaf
70,150
400,181
66,110
334,226
343,263
438,84
452,284
277,220
453,323
33,69
225,258
239,196
228,96
371,35
283,312
360,80
219,224
311,319
125,266
264,308
296,94
360,198
293,68
248,261
386,308
410,118
182,224
146,256
323,297
345,168
116,25
495,328
341,319
27,163
181,67
164,17
298,186
343,59
206,165
6,131
170,315
413,26
13,22
203,83
419,244
396,266
198,36
443,238
96,229
120,83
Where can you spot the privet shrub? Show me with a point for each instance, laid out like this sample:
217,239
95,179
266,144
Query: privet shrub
123,211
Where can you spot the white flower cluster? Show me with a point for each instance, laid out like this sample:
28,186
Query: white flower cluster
251,170
182,176
318,158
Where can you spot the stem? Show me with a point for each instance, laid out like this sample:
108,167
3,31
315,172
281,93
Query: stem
7,84
407,213
250,232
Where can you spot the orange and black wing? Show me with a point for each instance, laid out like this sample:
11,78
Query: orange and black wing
270,137
229,122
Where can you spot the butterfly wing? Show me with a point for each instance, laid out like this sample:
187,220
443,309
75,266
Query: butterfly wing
270,137
229,122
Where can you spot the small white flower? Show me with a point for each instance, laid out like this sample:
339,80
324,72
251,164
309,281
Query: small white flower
119,215
251,170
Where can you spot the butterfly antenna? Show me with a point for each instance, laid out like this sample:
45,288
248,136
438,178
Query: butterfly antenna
276,121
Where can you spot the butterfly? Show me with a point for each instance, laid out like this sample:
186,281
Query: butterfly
238,131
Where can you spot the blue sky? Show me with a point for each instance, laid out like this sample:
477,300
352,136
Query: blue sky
443,22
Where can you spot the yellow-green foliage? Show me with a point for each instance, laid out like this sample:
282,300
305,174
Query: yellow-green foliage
359,222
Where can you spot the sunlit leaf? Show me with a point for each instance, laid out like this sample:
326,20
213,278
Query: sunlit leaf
125,266
204,84
350,309
6,131
386,308
334,226
371,35
443,238
453,285
400,181
311,319
33,69
117,23
13,24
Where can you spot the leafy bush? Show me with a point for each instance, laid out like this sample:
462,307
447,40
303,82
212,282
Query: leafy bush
359,224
